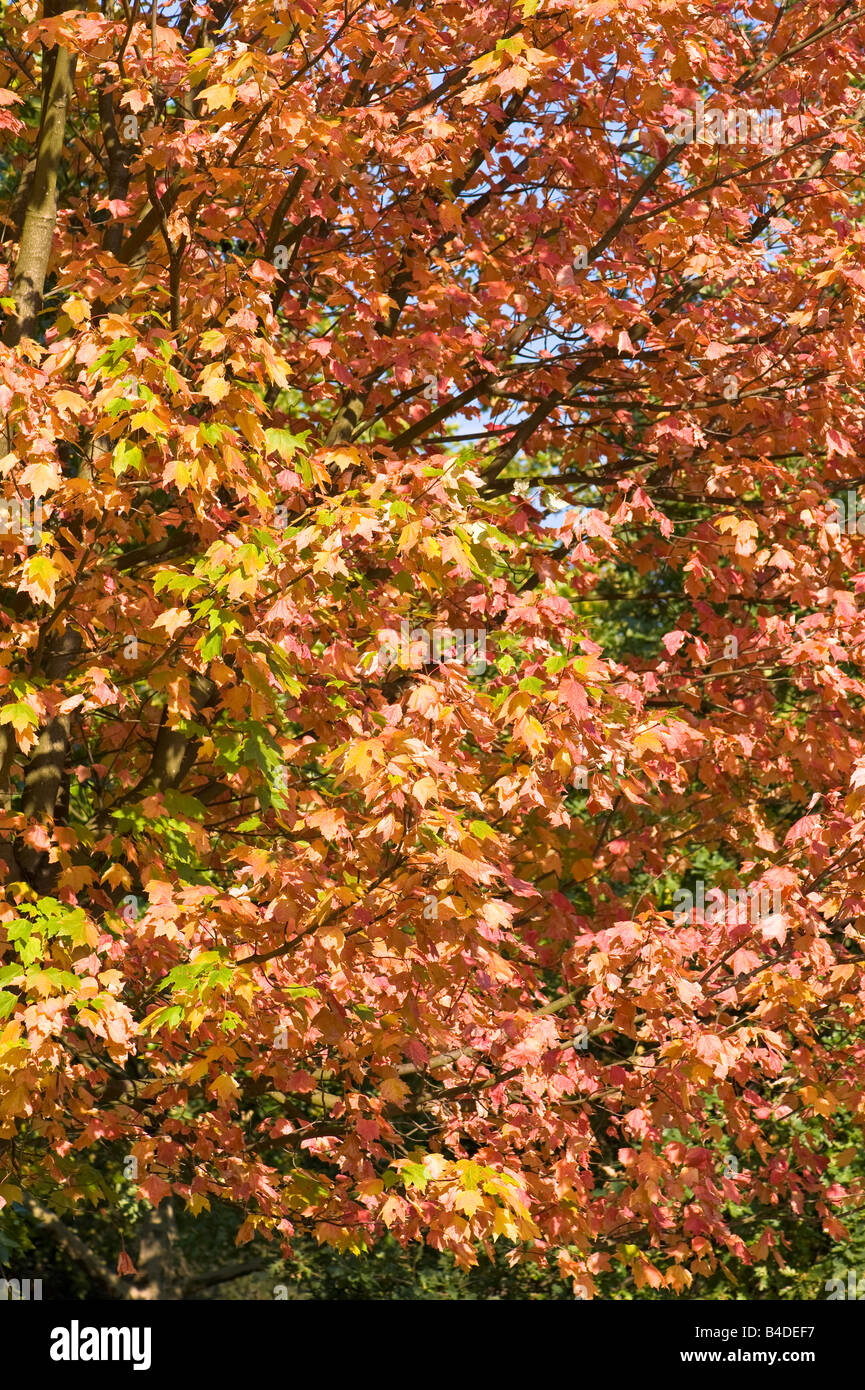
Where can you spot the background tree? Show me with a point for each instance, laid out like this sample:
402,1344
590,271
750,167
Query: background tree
309,922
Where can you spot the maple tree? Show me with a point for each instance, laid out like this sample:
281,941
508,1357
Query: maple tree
328,323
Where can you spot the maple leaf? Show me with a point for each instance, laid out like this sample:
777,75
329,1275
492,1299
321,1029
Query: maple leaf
154,1189
220,95
39,579
173,619
225,1088
673,641
346,345
40,478
394,1091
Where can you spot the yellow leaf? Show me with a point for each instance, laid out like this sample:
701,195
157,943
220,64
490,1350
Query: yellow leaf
77,309
469,1202
342,458
218,96
238,66
214,385
424,789
16,1101
410,536
530,732
67,400
488,63
19,715
117,875
213,340
648,739
39,579
359,758
225,1088
504,1225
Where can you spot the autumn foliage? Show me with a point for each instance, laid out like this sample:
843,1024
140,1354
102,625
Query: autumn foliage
297,298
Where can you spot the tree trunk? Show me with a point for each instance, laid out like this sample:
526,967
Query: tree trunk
40,212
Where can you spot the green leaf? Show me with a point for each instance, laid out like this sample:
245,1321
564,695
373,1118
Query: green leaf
127,456
481,830
554,664
283,442
17,714
414,1175
211,646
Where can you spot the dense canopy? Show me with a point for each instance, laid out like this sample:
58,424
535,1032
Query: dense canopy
431,725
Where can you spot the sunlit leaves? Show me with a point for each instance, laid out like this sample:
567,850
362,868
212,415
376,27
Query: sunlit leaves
313,381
